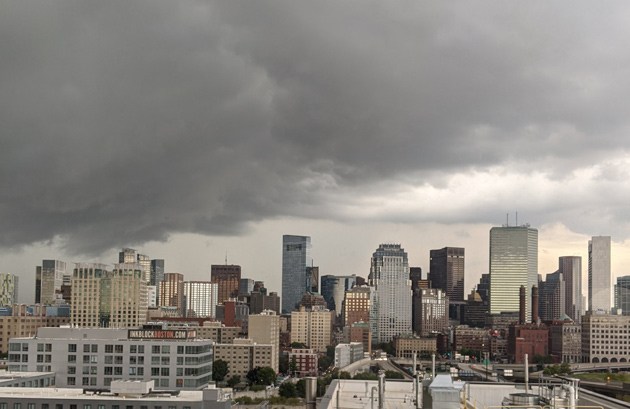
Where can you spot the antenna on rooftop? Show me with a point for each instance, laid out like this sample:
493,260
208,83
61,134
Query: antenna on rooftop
507,220
226,258
516,219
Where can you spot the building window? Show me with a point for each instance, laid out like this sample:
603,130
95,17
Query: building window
118,349
86,348
17,406
155,349
109,349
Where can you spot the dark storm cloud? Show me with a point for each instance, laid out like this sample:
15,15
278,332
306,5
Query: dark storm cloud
122,122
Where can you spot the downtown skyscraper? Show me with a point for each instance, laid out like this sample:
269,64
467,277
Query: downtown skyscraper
296,270
391,307
513,263
599,274
571,269
446,272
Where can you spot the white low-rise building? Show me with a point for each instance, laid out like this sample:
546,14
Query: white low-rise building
345,354
91,358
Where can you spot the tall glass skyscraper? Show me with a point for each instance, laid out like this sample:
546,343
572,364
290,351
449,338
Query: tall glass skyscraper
296,273
334,290
513,263
599,275
622,295
391,305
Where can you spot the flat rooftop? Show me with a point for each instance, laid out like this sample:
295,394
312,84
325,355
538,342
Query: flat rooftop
77,393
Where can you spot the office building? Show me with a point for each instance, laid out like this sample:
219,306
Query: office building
513,263
599,274
312,328
552,297
157,272
171,291
334,289
622,295
415,275
446,272
530,339
356,306
200,299
145,266
297,263
314,279
213,330
346,354
246,286
310,301
48,280
604,338
565,340
406,346
8,289
243,355
131,256
264,329
391,307
571,269
430,311
258,302
228,277
233,313
93,358
475,310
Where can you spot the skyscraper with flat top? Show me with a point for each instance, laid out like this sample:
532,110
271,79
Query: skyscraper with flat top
447,271
296,270
389,275
513,263
599,275
571,269
228,277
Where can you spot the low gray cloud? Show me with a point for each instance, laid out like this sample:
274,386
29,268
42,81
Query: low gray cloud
128,122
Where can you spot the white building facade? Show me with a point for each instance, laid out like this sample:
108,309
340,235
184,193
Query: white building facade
599,274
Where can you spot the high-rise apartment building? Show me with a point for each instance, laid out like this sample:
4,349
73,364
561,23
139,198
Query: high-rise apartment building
297,263
264,328
334,289
8,289
571,269
446,272
87,295
246,286
200,299
312,327
259,301
48,280
125,297
391,306
228,277
171,291
513,263
622,295
599,274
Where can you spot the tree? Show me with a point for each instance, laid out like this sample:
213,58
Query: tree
298,345
219,370
366,376
301,388
288,390
283,365
330,351
233,381
565,369
324,362
261,376
393,375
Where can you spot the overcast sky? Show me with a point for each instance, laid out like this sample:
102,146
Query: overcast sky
188,129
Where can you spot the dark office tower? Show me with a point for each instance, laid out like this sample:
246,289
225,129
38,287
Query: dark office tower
571,269
483,288
157,272
228,277
447,272
622,295
314,279
246,286
415,275
551,300
296,274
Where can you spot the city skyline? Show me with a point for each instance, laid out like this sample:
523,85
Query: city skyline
415,125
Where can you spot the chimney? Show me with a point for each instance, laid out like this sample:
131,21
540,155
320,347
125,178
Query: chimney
535,304
522,316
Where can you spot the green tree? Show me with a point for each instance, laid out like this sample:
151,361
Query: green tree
261,376
330,351
324,362
298,345
366,376
233,381
301,388
283,365
288,390
219,370
393,375
565,369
